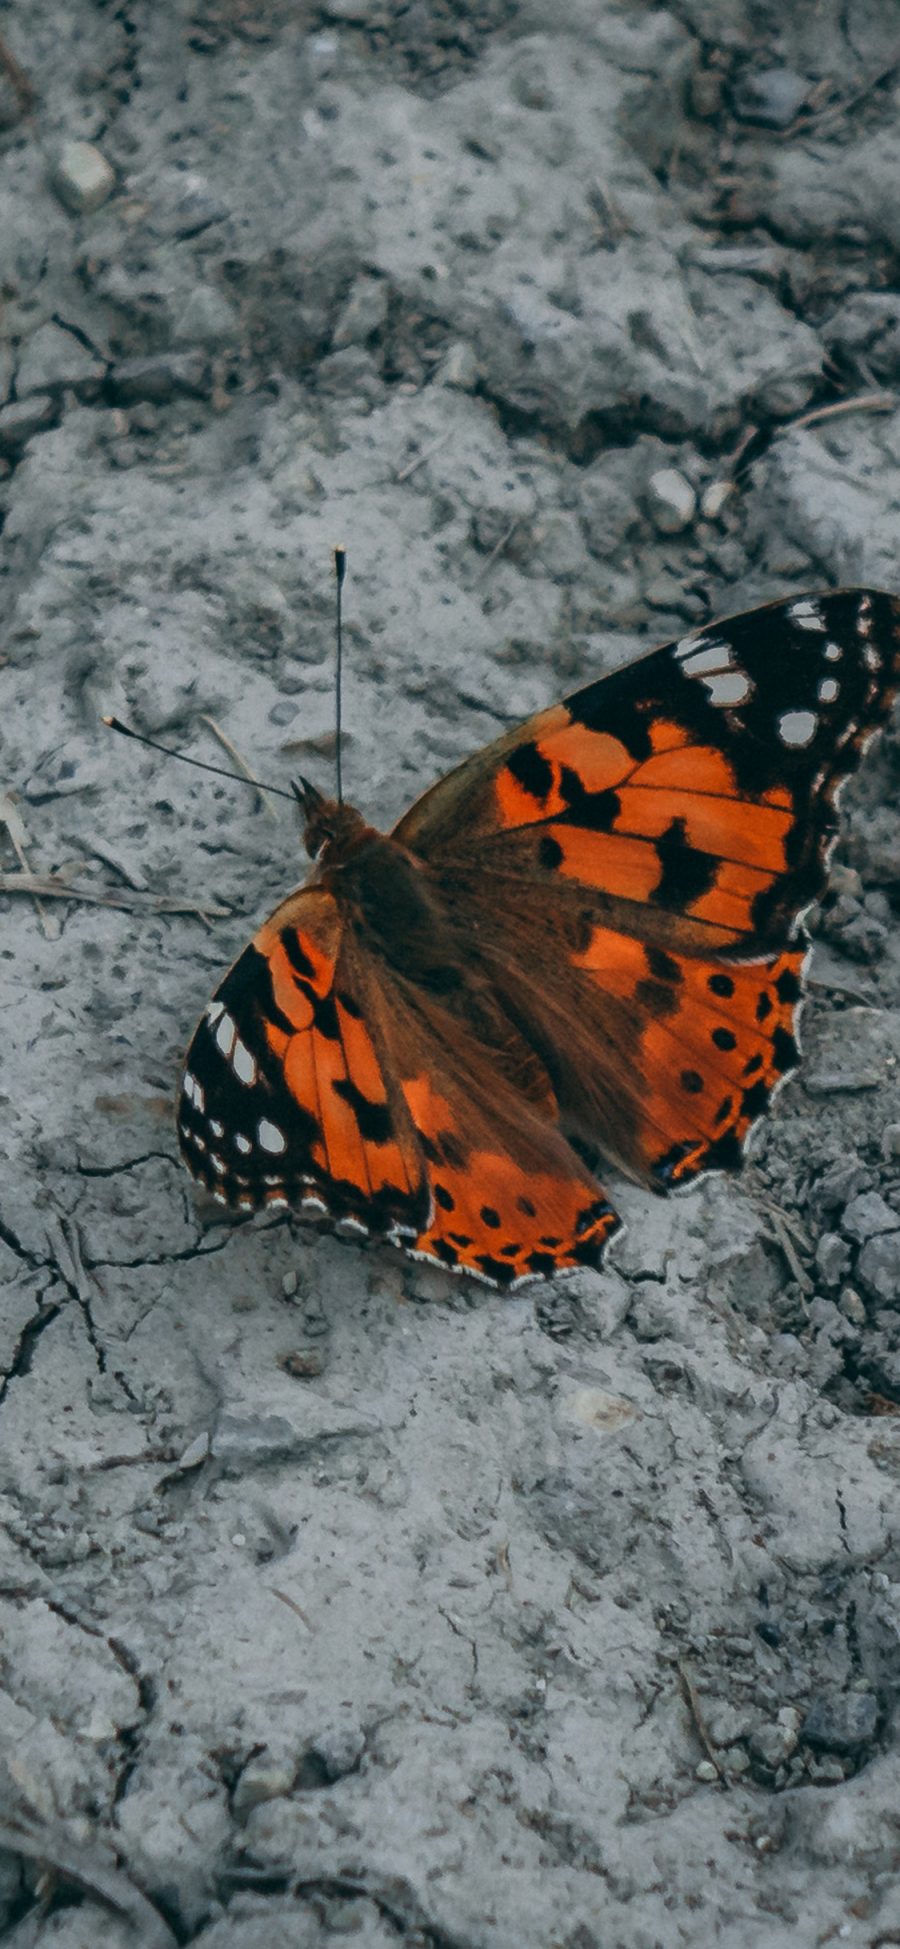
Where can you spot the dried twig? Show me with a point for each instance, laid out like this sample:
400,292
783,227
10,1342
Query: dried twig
498,549
818,119
292,1605
781,1237
86,1869
863,403
11,818
700,1727
54,887
17,76
420,458
240,762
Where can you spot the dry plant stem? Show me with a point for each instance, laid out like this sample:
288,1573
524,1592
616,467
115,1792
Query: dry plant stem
864,403
132,903
12,819
292,1606
86,1870
823,117
17,76
781,1237
240,762
693,1705
421,458
497,550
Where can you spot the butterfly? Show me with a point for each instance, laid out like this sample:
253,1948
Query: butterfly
584,942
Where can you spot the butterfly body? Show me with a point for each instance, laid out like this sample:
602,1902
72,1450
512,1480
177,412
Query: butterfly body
583,941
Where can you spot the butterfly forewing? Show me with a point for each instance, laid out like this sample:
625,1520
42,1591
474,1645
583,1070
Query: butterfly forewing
642,841
285,1100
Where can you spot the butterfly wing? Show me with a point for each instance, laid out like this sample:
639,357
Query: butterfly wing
285,1098
315,1081
635,862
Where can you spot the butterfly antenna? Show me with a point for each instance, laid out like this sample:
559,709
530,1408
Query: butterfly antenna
340,570
199,764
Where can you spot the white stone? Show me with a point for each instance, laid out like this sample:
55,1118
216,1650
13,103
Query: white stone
671,501
83,179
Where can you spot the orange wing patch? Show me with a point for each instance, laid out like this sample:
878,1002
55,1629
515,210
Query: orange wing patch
505,1215
715,1038
303,1112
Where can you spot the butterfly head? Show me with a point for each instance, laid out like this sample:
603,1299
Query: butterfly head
330,828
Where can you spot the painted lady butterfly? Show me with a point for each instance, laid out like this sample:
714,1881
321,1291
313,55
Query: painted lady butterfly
583,941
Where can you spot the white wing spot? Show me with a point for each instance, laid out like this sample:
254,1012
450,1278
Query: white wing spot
728,687
708,655
218,1163
269,1136
871,657
220,1198
807,614
213,1011
797,727
217,1128
242,1143
313,1204
828,690
242,1063
194,1092
833,652
689,645
245,1204
278,1182
864,616
277,1201
225,1034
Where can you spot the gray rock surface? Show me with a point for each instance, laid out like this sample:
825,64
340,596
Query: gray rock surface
338,1600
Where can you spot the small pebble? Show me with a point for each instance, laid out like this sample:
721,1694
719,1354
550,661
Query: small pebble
715,498
867,1216
265,1777
878,1268
706,1771
365,312
459,367
161,377
671,501
23,417
772,1745
832,1258
303,1364
82,178
890,1140
852,1307
338,1750
771,97
194,1455
840,1722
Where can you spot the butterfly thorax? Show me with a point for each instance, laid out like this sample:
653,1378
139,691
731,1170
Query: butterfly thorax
384,889
332,831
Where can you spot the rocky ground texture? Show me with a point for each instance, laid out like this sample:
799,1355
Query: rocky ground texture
339,1600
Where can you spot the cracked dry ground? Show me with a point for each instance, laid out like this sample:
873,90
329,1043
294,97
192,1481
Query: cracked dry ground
326,1612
